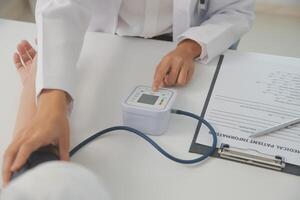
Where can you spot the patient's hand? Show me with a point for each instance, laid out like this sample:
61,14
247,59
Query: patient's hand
177,67
25,61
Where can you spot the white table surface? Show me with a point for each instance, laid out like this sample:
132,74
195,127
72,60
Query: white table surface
109,68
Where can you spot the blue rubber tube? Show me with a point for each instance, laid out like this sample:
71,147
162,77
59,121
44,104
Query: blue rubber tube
153,143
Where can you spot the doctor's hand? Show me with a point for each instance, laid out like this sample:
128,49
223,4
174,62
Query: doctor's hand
49,126
177,67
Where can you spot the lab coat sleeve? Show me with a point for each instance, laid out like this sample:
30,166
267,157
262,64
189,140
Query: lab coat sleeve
61,27
225,23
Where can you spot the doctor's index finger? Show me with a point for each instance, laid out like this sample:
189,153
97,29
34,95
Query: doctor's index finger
160,73
6,172
9,157
25,150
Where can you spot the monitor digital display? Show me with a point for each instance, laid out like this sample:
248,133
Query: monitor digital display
148,99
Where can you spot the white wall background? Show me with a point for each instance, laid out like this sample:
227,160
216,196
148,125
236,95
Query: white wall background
280,2
279,7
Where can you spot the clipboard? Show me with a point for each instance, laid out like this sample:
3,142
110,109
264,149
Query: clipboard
231,153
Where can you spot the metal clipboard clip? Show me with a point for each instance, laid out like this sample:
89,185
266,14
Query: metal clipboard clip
202,4
266,161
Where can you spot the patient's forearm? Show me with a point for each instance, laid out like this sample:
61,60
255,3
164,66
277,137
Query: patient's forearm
27,109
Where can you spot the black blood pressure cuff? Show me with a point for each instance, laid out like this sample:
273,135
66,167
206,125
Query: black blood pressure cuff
42,155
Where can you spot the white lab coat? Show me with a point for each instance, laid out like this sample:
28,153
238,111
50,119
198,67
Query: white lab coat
216,25
56,180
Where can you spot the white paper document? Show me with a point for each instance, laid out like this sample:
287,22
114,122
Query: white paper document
253,92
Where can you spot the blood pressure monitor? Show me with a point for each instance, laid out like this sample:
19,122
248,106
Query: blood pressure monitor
144,112
148,111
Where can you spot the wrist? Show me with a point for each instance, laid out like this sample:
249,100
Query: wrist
54,101
190,47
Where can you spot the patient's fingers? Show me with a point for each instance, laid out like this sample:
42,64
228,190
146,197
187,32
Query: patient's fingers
31,51
23,54
17,61
26,52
